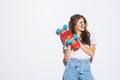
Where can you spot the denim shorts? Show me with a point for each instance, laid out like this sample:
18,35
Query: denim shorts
78,69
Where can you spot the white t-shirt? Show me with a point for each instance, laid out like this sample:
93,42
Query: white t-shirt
80,54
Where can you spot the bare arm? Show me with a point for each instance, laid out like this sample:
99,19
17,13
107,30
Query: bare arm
89,50
67,53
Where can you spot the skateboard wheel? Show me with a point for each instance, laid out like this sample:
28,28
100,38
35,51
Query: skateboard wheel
65,26
58,31
69,41
76,36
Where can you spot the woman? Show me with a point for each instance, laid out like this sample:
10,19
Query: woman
78,61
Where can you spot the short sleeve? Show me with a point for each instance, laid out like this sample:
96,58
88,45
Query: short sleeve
92,38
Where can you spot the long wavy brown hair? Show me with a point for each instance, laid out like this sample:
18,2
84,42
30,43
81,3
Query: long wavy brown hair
85,35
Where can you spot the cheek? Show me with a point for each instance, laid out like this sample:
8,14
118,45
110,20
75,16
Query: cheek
78,25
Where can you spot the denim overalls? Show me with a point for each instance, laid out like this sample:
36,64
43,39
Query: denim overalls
78,69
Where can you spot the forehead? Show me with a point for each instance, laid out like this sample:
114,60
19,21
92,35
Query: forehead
81,19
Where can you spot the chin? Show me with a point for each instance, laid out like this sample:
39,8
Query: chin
82,30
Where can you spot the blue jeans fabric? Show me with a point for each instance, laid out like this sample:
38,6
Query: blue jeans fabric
78,69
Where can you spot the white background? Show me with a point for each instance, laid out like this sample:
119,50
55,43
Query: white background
31,50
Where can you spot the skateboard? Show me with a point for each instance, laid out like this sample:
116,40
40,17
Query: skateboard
68,38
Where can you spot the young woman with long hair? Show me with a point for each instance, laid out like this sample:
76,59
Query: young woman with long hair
78,61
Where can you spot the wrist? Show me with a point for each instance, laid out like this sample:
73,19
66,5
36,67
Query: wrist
69,47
